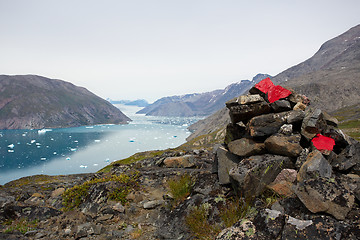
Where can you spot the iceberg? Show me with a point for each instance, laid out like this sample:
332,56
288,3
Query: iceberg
83,166
68,158
10,151
11,146
32,141
43,158
44,130
97,140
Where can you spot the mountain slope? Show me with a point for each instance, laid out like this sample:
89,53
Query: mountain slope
30,101
331,75
199,104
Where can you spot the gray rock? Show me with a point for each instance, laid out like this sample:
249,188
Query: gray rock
295,116
267,124
313,123
332,121
326,195
244,99
348,159
315,166
321,227
286,129
246,147
251,176
281,106
284,145
226,160
242,230
270,222
243,113
152,204
234,131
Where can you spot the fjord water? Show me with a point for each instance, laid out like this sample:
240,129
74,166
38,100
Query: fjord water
86,149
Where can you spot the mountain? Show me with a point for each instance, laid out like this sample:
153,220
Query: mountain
199,104
138,102
30,101
331,75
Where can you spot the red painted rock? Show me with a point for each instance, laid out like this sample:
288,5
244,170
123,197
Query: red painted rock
323,143
264,85
277,92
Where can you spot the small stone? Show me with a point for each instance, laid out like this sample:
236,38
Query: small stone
57,192
299,106
105,217
266,124
295,116
186,161
313,123
286,129
119,207
152,204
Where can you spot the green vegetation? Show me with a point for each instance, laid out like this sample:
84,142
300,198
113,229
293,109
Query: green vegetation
349,118
202,227
124,184
36,179
198,224
21,225
181,187
206,141
132,159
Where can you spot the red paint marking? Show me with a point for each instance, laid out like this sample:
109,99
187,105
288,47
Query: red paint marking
277,92
323,143
264,85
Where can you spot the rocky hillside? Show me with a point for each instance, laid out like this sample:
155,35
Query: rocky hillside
199,104
284,172
30,101
330,76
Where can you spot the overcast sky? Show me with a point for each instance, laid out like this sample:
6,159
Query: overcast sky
154,48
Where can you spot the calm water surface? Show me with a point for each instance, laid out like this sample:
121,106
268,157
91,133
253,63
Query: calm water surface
85,149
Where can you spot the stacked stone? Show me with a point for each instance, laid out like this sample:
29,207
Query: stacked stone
277,140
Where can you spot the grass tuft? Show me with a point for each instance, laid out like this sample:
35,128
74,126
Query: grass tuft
181,187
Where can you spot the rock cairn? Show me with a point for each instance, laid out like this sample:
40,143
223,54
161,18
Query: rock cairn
277,141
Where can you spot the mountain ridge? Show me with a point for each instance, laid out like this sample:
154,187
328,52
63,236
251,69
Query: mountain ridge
31,101
199,104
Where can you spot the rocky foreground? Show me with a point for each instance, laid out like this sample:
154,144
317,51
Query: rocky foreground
285,171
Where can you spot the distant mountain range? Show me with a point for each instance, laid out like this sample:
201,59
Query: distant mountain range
138,102
199,104
30,101
330,78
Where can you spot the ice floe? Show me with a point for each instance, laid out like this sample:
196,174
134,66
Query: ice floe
11,146
83,166
44,130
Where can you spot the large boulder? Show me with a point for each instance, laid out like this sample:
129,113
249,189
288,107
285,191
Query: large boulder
247,111
246,147
348,159
328,195
234,131
251,176
284,145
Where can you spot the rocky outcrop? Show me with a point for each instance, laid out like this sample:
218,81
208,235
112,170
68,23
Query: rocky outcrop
305,158
31,101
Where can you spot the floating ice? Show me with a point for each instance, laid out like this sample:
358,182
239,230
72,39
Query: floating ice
107,160
24,134
42,131
73,149
55,153
76,141
83,166
32,141
38,144
89,127
95,164
51,139
68,158
131,141
11,146
43,158
10,151
97,140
